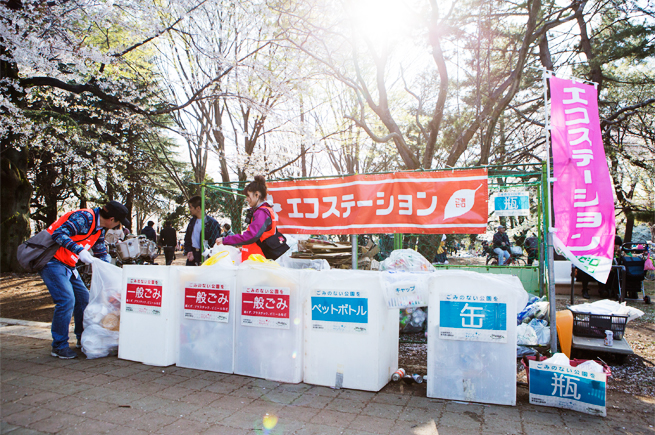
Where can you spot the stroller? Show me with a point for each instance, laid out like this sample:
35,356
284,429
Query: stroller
633,258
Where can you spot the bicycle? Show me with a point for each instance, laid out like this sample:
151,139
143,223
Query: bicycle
515,257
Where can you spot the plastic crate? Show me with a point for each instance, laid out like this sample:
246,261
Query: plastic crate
595,325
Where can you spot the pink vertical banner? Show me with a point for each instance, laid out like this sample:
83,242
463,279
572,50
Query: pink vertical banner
583,200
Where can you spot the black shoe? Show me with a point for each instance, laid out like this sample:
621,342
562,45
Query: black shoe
64,353
585,293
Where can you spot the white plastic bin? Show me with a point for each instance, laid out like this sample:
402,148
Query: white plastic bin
351,337
472,337
149,322
268,339
206,312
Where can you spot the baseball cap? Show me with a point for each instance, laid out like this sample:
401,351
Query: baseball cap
118,211
500,226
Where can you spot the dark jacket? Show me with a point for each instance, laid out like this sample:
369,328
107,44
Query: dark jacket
150,233
499,238
212,232
531,243
168,237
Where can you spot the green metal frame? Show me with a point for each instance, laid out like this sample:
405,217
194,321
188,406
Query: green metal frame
537,171
213,186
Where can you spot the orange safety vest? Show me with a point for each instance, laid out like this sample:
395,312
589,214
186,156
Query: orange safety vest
84,240
248,250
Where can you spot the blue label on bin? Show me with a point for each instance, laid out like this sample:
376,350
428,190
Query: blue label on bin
473,315
462,318
342,314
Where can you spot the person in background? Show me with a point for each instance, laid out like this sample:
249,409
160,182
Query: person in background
617,245
501,245
261,220
149,231
440,256
585,279
531,245
192,243
168,239
76,232
227,230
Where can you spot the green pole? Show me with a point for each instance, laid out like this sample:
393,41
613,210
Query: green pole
202,219
543,217
397,241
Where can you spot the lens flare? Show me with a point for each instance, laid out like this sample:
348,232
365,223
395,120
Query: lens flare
293,355
296,321
270,421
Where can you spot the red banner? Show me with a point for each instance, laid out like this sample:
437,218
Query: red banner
403,202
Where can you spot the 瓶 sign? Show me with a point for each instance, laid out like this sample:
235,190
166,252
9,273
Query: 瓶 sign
567,387
512,204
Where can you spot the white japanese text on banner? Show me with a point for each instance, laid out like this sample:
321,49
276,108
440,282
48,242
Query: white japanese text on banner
403,202
583,200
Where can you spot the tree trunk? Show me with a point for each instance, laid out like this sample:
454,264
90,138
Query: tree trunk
629,224
15,189
15,207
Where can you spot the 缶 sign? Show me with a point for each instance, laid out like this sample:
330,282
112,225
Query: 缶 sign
472,317
408,202
512,204
567,387
143,296
266,307
205,301
339,311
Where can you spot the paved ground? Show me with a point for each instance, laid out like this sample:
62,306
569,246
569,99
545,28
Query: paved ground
42,394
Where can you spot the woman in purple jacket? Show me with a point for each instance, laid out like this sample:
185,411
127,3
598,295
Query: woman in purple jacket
261,237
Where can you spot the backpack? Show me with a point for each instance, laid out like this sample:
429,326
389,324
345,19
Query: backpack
34,253
274,246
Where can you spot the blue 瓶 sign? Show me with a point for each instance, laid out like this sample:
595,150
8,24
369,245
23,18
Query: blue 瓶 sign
512,204
567,387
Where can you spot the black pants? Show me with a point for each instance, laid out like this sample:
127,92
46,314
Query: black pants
197,260
533,254
169,254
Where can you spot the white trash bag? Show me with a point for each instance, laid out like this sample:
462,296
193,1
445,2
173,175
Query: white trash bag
406,260
102,315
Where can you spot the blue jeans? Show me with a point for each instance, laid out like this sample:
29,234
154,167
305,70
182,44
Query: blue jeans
71,298
503,256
